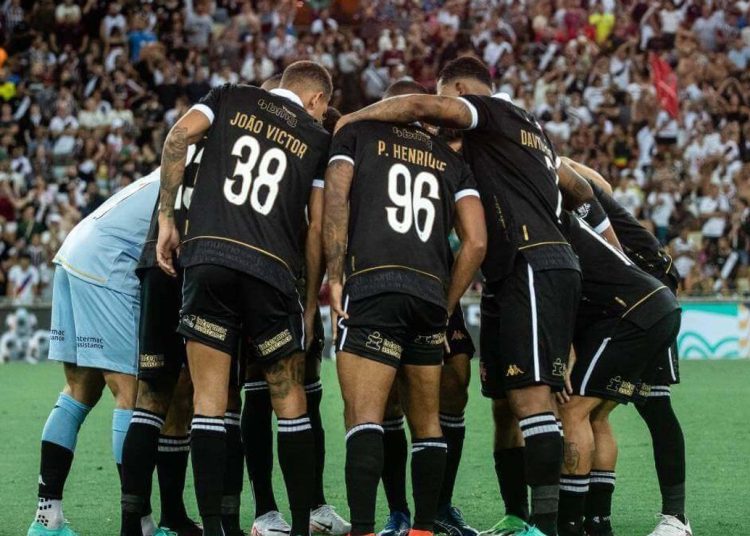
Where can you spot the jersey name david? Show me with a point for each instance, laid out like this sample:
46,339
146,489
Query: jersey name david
401,209
182,204
613,286
261,156
104,248
515,166
640,245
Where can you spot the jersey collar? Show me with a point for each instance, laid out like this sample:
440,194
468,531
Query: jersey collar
291,95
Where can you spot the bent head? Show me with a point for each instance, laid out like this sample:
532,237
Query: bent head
271,83
404,87
312,83
464,76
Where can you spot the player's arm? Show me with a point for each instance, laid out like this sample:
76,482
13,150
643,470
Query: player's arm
189,129
448,112
575,189
472,228
335,226
315,262
595,216
588,173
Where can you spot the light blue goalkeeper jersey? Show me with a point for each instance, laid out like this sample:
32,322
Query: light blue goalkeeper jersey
104,248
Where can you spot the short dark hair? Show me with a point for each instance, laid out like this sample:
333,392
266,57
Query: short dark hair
404,87
465,67
272,82
303,73
331,118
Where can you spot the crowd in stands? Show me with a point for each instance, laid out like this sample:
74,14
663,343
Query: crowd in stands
88,90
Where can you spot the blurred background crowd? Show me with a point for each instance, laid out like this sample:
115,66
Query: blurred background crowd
655,95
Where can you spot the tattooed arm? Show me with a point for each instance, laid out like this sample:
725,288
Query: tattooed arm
440,111
189,129
575,189
335,229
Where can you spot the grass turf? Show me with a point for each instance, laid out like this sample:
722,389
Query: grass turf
711,405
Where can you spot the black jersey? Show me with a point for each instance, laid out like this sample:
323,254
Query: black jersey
262,155
515,166
182,204
613,285
638,243
401,209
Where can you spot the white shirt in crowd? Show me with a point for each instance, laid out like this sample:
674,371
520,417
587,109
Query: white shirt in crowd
662,205
714,226
24,283
629,199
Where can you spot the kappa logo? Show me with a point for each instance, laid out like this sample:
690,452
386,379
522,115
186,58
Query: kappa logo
513,370
374,341
458,335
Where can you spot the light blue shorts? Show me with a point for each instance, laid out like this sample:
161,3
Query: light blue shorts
93,326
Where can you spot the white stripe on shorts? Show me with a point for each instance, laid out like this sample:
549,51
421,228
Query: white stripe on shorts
534,326
598,354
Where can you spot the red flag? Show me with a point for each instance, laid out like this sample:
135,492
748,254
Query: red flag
665,82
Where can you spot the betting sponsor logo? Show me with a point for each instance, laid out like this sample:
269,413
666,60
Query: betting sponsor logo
151,361
558,367
269,346
205,327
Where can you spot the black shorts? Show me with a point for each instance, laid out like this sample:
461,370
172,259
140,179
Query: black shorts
527,327
616,360
161,349
459,338
394,329
221,306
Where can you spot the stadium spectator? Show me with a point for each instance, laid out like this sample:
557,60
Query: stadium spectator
88,91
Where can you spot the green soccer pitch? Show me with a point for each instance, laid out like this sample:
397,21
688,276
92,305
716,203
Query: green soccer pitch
712,404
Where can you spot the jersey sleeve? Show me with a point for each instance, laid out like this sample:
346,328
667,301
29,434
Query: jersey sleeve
344,145
593,213
479,106
467,185
209,104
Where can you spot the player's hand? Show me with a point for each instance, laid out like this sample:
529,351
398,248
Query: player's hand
336,291
563,397
167,244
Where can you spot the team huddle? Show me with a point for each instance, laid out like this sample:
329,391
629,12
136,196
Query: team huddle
201,280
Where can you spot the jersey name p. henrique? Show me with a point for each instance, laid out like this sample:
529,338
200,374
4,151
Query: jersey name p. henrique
613,285
104,248
401,209
262,156
639,244
182,204
515,166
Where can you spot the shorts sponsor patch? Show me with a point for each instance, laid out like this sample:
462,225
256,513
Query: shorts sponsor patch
206,327
57,335
376,341
90,342
279,340
559,367
151,361
435,339
618,385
